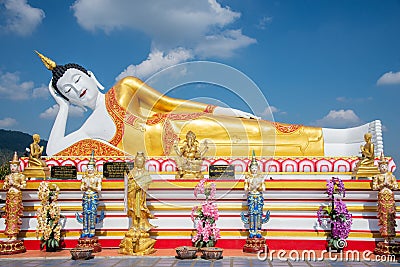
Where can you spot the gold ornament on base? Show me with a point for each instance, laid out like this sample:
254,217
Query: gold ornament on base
13,183
365,166
190,157
137,240
37,168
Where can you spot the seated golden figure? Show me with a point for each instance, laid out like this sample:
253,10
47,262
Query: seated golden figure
37,167
365,166
367,152
190,157
137,240
35,155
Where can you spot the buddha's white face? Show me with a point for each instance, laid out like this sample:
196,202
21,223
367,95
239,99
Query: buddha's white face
79,88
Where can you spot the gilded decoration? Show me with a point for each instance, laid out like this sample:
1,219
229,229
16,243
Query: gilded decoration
86,146
286,128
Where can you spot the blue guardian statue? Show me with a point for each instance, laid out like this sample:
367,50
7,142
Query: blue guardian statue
91,187
254,185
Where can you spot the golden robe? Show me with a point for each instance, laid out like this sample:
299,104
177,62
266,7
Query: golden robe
151,122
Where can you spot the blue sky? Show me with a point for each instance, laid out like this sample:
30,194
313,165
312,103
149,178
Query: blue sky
328,63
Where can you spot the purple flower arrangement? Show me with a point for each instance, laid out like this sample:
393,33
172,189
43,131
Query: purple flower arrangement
336,214
205,216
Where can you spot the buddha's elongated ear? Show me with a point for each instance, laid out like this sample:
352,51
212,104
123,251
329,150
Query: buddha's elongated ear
101,87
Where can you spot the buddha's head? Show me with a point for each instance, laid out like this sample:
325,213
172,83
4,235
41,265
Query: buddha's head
367,137
36,138
73,83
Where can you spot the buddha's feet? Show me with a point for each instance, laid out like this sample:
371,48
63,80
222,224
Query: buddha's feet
347,142
375,128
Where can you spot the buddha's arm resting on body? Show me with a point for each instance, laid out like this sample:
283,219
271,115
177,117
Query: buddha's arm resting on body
157,102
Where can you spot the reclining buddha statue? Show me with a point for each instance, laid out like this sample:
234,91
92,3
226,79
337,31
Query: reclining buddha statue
132,116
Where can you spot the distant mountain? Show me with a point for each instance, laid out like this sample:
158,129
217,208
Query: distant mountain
11,141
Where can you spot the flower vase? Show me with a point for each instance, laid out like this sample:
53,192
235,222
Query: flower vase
337,245
51,249
211,243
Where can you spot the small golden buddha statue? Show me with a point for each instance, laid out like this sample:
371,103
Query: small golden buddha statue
137,240
37,167
190,157
365,166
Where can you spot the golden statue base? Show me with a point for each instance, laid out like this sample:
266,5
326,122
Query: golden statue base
37,172
365,171
12,247
383,248
137,243
254,245
89,242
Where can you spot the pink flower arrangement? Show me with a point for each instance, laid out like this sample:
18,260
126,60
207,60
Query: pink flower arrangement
205,216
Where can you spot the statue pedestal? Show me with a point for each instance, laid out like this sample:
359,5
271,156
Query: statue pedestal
37,172
365,171
137,243
12,247
254,245
392,248
89,242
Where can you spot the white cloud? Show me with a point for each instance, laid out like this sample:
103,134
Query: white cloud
156,61
269,111
164,21
41,92
51,112
7,122
262,23
11,87
344,99
223,44
389,78
339,119
21,18
199,27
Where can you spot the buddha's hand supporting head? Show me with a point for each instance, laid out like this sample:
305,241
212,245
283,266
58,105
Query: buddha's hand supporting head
62,102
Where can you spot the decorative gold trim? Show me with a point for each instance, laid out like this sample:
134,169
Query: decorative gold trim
239,207
224,233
